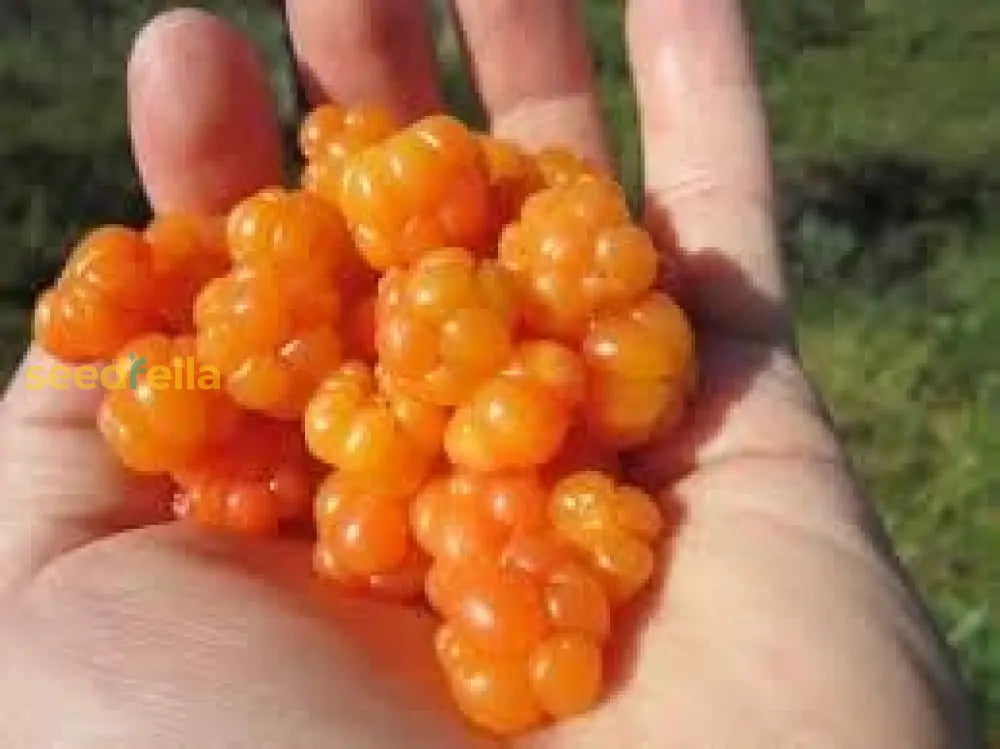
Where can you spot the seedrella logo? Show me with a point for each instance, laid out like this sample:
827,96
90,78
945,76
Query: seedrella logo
129,372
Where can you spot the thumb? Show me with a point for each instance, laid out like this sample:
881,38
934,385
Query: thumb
204,135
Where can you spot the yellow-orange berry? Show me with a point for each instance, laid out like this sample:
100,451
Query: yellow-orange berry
186,252
426,186
575,601
366,532
565,674
642,361
613,526
575,252
507,423
560,166
499,609
387,437
513,176
158,417
289,233
103,298
444,325
493,692
260,476
330,134
273,338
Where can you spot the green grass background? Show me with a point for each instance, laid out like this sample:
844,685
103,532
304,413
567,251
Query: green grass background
886,118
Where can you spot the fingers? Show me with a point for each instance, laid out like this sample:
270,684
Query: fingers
532,68
707,164
203,134
356,51
203,127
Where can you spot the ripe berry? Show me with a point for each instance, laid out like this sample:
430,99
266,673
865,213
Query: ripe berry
466,515
493,691
613,526
575,253
186,251
507,423
162,424
513,176
257,478
499,609
426,186
565,672
288,233
444,325
559,166
366,533
642,360
102,299
273,338
330,134
378,433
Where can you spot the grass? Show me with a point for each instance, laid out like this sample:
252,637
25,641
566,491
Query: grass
887,143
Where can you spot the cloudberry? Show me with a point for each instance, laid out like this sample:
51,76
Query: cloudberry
330,134
642,362
162,425
575,252
565,672
614,526
273,338
288,233
426,186
364,532
444,325
513,176
493,691
383,435
119,284
499,609
559,166
507,423
252,481
469,515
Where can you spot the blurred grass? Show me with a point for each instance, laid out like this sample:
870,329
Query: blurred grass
886,117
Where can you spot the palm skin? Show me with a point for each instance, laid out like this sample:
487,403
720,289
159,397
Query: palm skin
782,618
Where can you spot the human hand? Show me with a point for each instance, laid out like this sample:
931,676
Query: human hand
782,619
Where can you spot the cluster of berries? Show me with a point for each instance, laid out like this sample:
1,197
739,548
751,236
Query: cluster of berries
460,336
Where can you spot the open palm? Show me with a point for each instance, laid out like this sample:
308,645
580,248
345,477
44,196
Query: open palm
782,619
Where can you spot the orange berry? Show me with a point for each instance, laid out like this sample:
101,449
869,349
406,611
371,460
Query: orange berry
612,526
575,601
506,424
492,691
186,251
643,364
560,166
538,552
552,365
289,233
565,673
444,325
159,427
452,519
257,478
575,253
105,297
388,438
273,338
499,609
330,134
513,176
423,187
366,532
